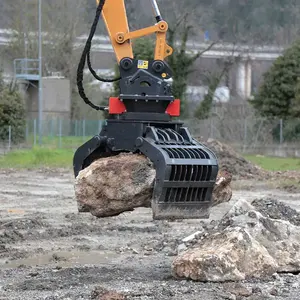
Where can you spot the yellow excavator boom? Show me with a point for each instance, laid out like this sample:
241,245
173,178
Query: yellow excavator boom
120,35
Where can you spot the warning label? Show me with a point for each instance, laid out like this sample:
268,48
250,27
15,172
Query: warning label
143,64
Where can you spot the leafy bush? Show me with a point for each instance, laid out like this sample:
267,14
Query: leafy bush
12,113
279,94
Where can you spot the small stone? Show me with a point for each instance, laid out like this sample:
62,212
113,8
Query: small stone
181,248
191,237
186,290
276,276
256,290
240,290
172,252
285,291
252,214
274,292
134,251
33,274
148,248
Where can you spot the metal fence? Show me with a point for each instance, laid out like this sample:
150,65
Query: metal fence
249,135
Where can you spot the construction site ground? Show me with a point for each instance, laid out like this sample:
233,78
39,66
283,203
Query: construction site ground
49,251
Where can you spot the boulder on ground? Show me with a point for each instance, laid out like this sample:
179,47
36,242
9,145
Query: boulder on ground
224,256
113,185
253,240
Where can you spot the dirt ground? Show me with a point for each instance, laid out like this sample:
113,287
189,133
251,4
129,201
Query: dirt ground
49,251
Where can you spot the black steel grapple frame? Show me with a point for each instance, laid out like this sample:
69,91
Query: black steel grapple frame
186,170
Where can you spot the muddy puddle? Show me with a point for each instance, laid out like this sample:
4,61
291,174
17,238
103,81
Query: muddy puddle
65,259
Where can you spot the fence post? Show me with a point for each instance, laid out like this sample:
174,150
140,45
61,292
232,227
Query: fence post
9,138
34,132
52,129
83,130
245,135
281,131
26,132
76,128
60,133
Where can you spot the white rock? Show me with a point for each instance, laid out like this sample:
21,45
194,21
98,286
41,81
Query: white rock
248,244
181,248
192,236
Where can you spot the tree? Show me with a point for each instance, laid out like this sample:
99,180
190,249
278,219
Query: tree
278,96
181,62
213,80
62,24
12,113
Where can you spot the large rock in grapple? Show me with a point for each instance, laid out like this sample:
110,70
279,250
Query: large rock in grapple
113,185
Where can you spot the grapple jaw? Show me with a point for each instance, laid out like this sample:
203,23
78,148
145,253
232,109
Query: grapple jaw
186,170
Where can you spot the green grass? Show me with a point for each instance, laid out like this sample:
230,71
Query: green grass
275,163
52,156
59,142
38,157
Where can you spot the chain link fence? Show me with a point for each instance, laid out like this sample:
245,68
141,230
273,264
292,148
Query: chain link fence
247,135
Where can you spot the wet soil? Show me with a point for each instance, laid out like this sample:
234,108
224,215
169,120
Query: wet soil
50,251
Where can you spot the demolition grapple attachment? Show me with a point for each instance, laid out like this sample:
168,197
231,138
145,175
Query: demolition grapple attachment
140,121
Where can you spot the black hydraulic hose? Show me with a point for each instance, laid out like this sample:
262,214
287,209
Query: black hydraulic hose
86,55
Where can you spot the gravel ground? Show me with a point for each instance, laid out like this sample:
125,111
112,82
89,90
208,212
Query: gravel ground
49,251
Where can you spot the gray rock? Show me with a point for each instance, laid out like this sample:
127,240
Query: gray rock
245,244
225,256
121,183
113,185
181,248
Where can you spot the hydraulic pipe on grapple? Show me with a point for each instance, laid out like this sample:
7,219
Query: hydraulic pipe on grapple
140,121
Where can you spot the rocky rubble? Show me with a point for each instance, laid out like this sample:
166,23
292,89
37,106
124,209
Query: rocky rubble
233,162
113,185
100,293
252,240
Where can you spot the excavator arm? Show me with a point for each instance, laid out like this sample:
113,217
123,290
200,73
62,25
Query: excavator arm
140,120
121,37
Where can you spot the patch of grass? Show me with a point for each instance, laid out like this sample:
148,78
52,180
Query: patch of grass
38,157
59,142
275,163
48,156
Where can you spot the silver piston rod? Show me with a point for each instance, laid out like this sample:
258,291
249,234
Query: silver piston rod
156,10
